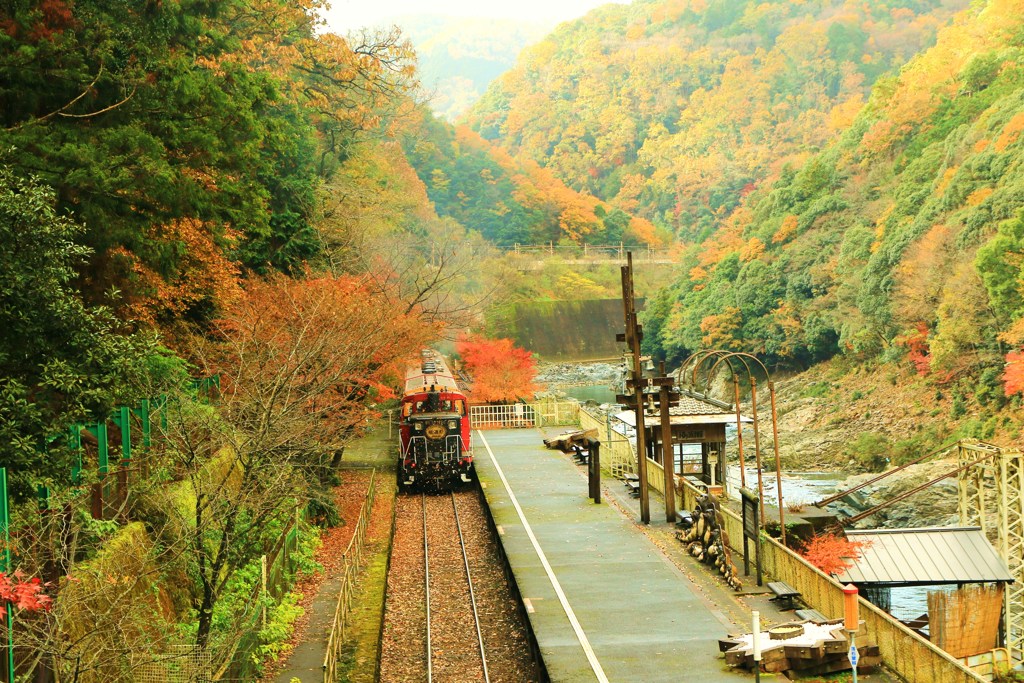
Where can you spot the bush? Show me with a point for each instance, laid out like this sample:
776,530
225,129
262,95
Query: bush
959,408
870,451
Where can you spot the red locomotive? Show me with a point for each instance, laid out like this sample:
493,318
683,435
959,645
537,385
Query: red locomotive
436,452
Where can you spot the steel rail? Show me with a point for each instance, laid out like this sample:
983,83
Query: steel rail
472,595
867,513
426,585
899,468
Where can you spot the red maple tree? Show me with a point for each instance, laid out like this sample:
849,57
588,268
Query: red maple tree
1013,374
832,553
25,594
501,372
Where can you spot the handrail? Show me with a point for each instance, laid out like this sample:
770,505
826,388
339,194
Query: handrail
350,560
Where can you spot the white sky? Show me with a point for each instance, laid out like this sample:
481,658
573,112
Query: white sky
349,15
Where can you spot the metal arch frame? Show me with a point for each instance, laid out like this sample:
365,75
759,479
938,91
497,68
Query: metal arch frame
1003,478
722,354
757,439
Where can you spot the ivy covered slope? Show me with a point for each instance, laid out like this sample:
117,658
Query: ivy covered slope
677,108
903,238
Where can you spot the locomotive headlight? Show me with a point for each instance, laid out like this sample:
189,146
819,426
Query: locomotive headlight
452,424
418,426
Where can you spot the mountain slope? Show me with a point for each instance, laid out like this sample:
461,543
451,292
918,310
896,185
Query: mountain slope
677,109
459,57
903,240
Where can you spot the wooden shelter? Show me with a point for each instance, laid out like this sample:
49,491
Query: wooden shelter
698,426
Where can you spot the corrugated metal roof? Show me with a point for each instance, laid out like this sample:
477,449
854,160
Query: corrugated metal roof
924,557
693,409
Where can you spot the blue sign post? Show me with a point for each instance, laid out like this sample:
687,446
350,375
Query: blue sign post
5,556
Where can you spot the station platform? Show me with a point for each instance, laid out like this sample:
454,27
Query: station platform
605,603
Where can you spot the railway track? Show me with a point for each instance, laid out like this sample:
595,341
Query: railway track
450,617
454,644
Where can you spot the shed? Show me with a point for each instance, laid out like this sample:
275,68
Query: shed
924,557
964,622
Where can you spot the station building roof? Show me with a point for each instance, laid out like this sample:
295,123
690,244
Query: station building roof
923,557
693,409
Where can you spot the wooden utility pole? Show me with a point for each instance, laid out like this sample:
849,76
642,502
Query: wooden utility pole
632,337
666,399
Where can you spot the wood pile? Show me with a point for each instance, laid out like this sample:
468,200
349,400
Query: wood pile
565,442
707,541
800,649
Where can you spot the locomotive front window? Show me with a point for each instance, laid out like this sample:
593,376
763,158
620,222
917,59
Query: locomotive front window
460,407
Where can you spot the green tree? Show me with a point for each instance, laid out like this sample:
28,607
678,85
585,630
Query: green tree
60,360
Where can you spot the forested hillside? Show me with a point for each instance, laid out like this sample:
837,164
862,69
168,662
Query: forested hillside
510,200
901,239
676,109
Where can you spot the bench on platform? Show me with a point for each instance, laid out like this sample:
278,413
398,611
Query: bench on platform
634,488
812,615
580,456
784,594
684,519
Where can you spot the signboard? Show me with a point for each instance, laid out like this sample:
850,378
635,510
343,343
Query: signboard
751,531
688,435
854,656
750,514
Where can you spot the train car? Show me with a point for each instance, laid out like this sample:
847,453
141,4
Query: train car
434,430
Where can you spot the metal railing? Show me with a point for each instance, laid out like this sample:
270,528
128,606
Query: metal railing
350,563
616,252
618,454
524,415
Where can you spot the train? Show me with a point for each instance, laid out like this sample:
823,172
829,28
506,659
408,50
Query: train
436,451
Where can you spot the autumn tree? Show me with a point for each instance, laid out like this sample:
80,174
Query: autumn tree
501,373
302,365
832,553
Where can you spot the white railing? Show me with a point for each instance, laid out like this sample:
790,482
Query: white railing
524,415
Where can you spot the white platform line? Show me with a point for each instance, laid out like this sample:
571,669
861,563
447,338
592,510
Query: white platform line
580,635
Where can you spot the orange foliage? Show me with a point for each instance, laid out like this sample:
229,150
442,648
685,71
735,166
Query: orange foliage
319,352
786,230
979,195
501,372
832,554
752,250
1010,132
1013,374
722,331
201,273
947,178
643,232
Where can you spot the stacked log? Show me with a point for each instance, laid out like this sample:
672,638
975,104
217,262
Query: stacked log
800,648
707,541
565,442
